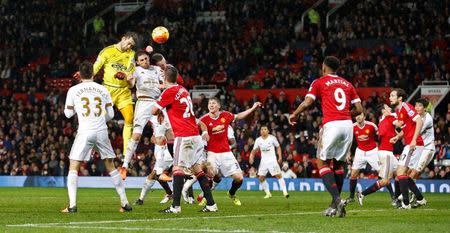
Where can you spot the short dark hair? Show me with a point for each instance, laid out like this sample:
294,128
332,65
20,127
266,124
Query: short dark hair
133,35
215,99
332,62
401,93
422,101
171,74
140,53
86,70
156,57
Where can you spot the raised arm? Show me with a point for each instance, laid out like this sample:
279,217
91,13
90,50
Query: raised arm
247,112
302,107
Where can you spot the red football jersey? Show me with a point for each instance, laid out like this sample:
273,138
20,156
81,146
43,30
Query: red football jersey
407,114
218,131
177,101
386,131
365,136
337,94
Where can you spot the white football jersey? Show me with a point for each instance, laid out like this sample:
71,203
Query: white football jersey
148,80
89,100
427,132
267,147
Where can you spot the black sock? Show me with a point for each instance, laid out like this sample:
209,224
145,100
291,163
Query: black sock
234,187
178,182
414,189
404,188
217,179
339,174
397,189
389,188
204,184
329,182
165,186
373,188
191,192
353,183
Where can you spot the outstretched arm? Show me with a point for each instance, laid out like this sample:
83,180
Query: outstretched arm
302,107
247,112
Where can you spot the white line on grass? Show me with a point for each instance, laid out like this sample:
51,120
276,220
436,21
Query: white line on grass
163,229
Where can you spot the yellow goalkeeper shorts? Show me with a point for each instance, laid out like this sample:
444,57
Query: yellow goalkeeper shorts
121,96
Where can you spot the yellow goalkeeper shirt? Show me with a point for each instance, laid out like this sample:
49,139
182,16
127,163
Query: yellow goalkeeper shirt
114,60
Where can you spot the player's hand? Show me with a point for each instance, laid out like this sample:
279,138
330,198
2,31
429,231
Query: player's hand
280,161
393,140
205,136
349,159
250,161
130,78
77,76
257,105
412,145
149,49
120,75
160,117
292,119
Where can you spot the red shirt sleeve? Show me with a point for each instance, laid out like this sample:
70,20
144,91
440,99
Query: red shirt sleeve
314,90
229,117
180,80
167,98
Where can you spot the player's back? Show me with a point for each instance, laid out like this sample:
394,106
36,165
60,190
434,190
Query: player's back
115,60
90,100
178,103
386,131
336,94
147,81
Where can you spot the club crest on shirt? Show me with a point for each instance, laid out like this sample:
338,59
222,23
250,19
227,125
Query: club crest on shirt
222,120
367,131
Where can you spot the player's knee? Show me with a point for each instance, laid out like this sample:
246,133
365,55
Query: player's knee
261,178
160,140
238,177
136,137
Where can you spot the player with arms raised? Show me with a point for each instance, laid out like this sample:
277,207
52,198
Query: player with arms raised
93,105
188,145
219,155
118,63
336,134
411,124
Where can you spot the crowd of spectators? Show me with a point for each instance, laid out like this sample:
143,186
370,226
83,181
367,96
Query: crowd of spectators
258,46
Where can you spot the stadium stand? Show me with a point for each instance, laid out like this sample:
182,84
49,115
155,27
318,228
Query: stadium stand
257,46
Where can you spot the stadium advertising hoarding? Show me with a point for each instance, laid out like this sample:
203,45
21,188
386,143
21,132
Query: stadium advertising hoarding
303,185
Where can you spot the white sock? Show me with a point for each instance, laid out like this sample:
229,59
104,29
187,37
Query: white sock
214,185
120,187
131,148
265,187
72,185
148,184
282,185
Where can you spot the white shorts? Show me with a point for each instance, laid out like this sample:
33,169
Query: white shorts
188,151
410,158
425,158
335,140
272,167
388,164
225,162
362,158
163,162
142,115
84,143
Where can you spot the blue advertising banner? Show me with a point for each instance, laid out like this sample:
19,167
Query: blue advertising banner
303,185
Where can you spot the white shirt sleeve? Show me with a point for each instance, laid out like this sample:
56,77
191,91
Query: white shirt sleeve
256,145
69,108
275,142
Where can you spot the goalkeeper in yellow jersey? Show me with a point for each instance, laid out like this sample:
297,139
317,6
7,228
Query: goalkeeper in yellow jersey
118,63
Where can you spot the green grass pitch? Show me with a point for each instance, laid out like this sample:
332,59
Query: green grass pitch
37,210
